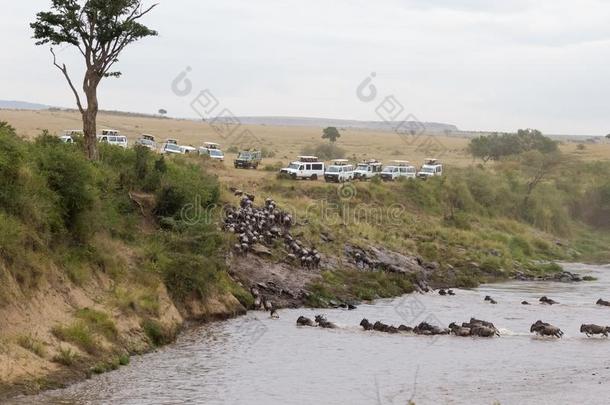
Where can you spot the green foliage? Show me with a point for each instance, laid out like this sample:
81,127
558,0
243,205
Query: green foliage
186,190
156,332
496,146
98,322
103,28
69,175
331,133
79,334
356,285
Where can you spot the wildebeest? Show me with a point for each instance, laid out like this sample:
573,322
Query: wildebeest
459,330
405,328
442,291
490,300
546,329
524,303
603,303
304,321
366,324
592,329
546,300
323,323
481,328
450,292
424,328
273,314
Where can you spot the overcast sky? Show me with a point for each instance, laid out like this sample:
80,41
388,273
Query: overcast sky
478,64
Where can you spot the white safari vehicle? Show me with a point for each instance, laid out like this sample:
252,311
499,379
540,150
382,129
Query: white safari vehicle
367,169
430,168
212,150
170,147
147,141
306,167
188,150
339,171
397,169
112,137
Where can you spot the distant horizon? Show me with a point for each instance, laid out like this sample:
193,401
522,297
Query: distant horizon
43,107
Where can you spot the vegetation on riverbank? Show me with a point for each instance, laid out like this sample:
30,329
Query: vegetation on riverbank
105,242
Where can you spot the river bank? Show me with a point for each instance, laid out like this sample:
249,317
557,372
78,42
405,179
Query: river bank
208,364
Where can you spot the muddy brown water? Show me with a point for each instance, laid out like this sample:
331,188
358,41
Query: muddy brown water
257,360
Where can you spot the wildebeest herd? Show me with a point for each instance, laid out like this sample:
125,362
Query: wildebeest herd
474,327
265,225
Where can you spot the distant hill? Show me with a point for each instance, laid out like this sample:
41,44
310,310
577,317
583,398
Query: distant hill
21,105
354,124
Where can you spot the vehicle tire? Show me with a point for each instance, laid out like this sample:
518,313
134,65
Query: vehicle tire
314,177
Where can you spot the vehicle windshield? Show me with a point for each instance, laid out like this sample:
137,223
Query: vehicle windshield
334,169
171,146
215,152
146,142
390,170
294,166
244,155
427,169
362,167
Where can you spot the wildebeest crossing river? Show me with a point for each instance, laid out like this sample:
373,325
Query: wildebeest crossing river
258,360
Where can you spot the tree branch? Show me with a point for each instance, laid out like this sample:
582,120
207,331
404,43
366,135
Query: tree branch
64,70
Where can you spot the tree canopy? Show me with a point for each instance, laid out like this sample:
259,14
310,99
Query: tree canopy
496,146
331,133
100,30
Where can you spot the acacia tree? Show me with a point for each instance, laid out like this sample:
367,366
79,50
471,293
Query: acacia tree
100,29
331,133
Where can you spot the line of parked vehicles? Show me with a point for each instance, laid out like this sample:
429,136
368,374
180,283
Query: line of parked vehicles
305,167
169,146
341,170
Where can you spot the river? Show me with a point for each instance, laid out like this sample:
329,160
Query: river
257,360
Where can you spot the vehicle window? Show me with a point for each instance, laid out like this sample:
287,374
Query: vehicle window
293,166
438,169
403,169
317,166
308,167
302,167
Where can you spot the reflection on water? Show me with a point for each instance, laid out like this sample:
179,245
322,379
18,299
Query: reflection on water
256,360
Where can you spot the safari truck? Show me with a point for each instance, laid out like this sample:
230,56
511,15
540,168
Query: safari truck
306,167
367,169
397,169
248,159
170,147
147,141
212,150
339,171
112,137
430,168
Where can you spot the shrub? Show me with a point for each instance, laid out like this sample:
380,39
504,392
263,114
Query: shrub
157,334
79,334
65,357
98,322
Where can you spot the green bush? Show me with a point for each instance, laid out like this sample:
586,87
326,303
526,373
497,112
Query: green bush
79,334
156,332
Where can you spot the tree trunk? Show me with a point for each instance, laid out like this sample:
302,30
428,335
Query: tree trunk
90,116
